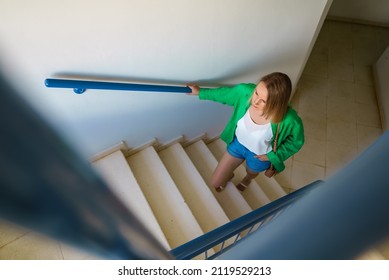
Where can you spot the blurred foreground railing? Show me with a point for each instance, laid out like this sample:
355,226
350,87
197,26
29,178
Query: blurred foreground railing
240,228
46,186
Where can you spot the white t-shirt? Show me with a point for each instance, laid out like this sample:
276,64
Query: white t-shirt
255,137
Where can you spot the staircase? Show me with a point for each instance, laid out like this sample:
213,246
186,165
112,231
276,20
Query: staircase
167,187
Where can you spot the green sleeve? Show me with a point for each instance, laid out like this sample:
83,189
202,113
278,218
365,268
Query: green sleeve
226,95
291,139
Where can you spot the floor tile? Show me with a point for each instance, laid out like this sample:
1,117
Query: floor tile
343,72
366,136
285,177
364,37
365,94
331,171
72,253
307,102
343,89
305,173
341,132
317,68
313,86
31,246
363,75
320,52
342,55
340,34
341,109
313,152
367,114
365,56
339,155
10,232
315,126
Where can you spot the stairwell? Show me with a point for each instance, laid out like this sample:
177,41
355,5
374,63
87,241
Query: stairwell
167,187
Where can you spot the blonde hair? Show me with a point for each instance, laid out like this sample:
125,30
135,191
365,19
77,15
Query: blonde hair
279,88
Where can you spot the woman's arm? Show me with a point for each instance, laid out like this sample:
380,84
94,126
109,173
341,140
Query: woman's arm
225,95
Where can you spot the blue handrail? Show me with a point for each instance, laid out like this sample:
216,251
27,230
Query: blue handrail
80,86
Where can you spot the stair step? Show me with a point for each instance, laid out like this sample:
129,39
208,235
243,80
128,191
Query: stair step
167,203
195,191
204,206
119,177
230,199
270,186
254,194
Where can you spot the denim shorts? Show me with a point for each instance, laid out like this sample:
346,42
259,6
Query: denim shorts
237,150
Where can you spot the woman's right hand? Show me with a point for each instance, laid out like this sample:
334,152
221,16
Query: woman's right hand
195,89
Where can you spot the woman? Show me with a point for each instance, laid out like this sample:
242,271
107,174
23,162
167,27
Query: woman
259,112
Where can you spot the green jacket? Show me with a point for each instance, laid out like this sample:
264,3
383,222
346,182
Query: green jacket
291,134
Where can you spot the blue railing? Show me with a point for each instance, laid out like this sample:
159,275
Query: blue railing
80,86
243,226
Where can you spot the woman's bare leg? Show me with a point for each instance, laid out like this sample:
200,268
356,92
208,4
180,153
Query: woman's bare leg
247,179
224,171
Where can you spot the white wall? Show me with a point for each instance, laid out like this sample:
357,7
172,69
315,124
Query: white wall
209,41
376,11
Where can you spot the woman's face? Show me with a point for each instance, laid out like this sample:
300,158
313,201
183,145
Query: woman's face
259,98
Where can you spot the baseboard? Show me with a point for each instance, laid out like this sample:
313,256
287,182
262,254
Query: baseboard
120,146
153,142
357,21
189,142
179,139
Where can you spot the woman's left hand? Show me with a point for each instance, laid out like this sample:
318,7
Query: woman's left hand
262,157
195,89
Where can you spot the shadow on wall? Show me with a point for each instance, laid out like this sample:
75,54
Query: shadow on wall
248,71
176,112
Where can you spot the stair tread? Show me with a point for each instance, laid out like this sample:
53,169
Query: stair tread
199,197
167,203
230,199
119,177
270,186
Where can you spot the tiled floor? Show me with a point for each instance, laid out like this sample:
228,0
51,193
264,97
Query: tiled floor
17,243
336,100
